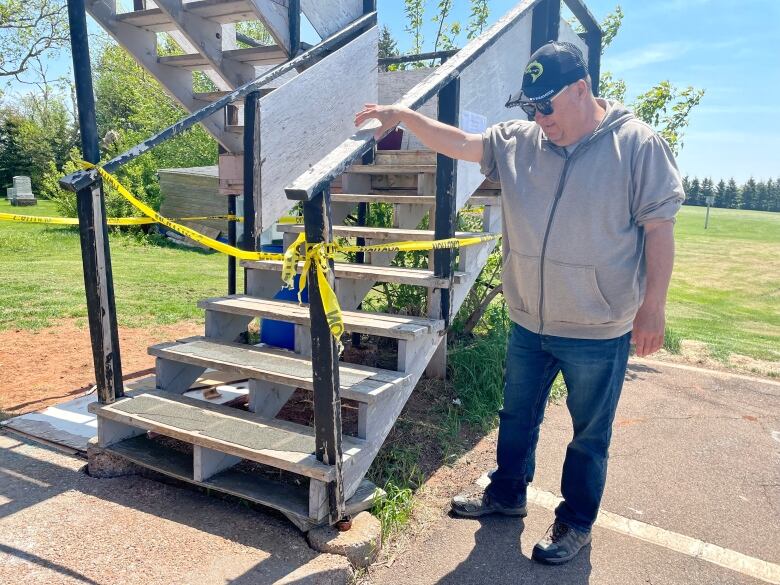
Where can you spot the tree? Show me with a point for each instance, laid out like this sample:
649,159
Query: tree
750,194
707,190
387,45
29,31
694,195
733,197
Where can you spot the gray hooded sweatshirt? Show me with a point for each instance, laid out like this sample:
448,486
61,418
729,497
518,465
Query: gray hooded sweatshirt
573,241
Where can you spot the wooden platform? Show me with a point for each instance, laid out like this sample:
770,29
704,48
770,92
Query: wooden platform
224,11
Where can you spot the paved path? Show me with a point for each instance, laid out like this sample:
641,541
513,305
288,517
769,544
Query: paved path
693,494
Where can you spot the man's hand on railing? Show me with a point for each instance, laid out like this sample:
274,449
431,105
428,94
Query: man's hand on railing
448,140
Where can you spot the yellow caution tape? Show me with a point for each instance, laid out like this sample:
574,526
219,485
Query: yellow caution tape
315,255
116,221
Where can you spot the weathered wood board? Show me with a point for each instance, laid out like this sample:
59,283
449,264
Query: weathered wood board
566,33
484,88
309,116
330,17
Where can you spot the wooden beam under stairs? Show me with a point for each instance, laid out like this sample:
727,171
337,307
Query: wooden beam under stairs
222,11
257,56
407,198
390,169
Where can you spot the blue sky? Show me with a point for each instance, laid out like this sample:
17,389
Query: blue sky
727,47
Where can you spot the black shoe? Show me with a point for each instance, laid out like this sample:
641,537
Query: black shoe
482,504
560,545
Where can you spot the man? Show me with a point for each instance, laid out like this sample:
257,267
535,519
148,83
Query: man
589,198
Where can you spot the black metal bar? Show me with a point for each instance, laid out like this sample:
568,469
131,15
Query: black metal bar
294,15
369,6
446,189
80,179
360,257
251,169
325,358
232,242
443,55
93,230
139,5
545,23
593,40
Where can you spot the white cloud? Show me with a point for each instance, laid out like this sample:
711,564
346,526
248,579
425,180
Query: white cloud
654,53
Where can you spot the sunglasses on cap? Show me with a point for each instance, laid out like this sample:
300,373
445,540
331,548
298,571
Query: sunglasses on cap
544,107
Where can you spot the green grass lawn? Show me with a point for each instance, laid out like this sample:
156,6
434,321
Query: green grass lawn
725,290
42,281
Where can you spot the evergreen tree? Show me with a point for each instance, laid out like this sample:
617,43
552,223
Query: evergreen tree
774,195
707,190
750,194
733,196
387,44
695,192
720,194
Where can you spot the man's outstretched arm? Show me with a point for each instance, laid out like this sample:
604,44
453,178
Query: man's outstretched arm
448,140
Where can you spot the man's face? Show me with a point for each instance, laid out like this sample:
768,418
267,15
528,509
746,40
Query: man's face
564,126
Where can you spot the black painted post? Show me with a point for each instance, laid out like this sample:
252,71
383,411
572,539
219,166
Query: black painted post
446,188
360,257
593,40
545,23
251,168
294,16
93,230
231,242
325,358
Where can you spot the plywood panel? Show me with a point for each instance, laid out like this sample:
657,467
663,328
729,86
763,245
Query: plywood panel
485,86
308,117
393,85
330,17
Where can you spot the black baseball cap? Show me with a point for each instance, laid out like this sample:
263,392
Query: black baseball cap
550,68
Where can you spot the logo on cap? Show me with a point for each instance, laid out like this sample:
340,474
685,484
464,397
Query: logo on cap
535,70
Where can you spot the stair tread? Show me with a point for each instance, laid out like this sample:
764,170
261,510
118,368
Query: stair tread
360,383
271,442
396,169
225,11
391,274
270,55
383,324
414,198
375,233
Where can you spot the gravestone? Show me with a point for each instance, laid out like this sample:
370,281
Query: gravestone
9,193
22,192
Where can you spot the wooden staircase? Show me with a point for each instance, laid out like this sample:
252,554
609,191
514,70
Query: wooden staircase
223,438
266,451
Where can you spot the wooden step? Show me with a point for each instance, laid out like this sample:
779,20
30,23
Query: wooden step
375,233
390,274
360,383
414,157
380,324
259,56
272,442
397,169
290,499
213,96
403,198
225,11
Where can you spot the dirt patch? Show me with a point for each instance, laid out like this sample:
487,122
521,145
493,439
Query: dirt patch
41,368
697,353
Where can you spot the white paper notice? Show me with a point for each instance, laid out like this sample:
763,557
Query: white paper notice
472,122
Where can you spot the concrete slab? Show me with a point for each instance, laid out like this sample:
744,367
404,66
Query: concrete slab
692,452
58,526
497,550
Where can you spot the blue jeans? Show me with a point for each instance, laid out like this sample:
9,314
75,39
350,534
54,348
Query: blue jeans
593,370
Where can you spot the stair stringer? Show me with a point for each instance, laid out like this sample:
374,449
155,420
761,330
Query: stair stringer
381,416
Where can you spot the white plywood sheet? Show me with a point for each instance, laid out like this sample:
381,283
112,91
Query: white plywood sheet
330,17
485,86
308,117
